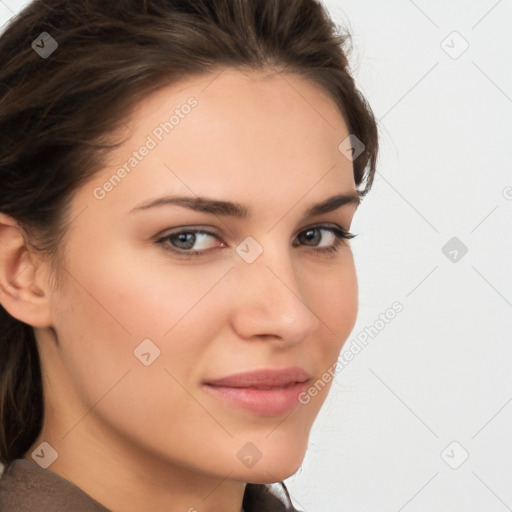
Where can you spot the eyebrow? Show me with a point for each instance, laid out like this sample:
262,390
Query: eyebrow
240,211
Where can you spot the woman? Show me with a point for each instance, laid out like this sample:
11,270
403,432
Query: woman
177,184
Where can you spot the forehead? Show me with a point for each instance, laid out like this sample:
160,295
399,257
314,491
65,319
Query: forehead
249,90
231,132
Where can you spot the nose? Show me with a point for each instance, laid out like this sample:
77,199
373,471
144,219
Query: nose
269,301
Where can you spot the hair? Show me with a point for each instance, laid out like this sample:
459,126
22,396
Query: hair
57,115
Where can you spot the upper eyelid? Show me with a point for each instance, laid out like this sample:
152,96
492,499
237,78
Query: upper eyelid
187,229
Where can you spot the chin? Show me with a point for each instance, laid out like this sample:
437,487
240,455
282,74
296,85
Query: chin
274,469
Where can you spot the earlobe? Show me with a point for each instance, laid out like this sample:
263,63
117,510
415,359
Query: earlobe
21,293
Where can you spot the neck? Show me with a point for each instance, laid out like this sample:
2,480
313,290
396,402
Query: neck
120,477
119,473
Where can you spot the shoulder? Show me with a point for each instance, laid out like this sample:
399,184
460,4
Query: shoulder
27,487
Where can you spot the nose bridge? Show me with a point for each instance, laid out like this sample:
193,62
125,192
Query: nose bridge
269,298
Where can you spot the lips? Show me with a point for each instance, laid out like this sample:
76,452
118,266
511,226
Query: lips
270,392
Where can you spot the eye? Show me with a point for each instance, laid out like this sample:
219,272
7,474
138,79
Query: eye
336,239
181,242
193,242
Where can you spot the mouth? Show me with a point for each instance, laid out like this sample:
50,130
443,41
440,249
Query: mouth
262,392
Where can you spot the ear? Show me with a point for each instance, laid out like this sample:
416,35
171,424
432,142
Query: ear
23,284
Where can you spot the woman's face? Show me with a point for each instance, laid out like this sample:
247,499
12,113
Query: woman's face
143,323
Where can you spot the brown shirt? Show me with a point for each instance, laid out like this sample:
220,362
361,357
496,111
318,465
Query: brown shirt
27,487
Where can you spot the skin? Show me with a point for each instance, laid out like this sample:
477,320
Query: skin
150,437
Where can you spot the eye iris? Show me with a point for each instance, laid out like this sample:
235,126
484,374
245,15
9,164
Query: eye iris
182,237
316,235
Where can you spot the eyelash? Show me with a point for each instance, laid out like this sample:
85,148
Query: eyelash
340,234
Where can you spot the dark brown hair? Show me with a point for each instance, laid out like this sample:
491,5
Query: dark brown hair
56,115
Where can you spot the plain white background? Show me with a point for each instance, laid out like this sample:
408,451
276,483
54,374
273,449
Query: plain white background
417,420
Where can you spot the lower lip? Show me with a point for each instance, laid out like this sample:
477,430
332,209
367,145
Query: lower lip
263,402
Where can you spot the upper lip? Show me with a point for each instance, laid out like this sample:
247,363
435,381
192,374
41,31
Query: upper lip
267,378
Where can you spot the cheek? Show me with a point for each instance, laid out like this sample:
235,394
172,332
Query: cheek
108,305
111,301
135,294
337,301
336,304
